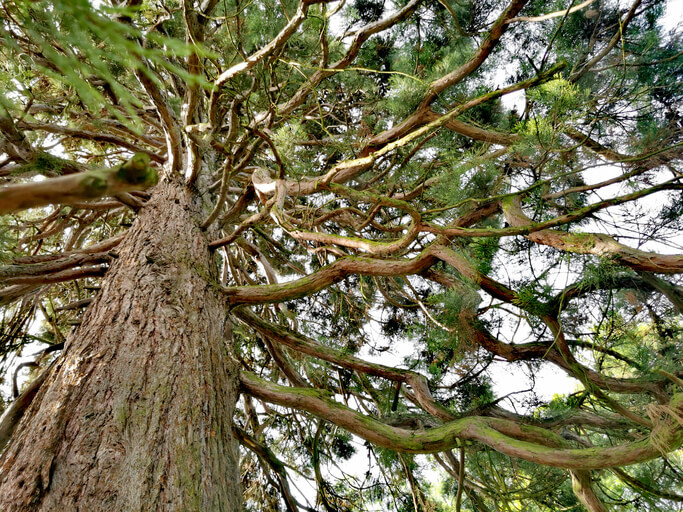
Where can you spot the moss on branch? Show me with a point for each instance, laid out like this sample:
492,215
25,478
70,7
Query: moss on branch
666,437
135,174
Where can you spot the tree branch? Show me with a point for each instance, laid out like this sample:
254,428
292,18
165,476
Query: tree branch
666,437
135,174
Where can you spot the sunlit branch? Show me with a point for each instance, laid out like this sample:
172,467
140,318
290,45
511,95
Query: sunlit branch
551,15
378,248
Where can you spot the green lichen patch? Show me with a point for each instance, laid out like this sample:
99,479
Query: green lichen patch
137,171
94,184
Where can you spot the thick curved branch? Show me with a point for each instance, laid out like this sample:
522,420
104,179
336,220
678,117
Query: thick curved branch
666,437
326,276
378,248
423,114
594,243
273,45
474,132
57,277
99,247
490,42
582,485
535,350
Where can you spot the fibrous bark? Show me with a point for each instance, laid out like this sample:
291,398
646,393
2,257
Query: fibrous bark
137,413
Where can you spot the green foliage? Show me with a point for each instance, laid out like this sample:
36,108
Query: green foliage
404,91
530,298
76,78
368,11
91,51
44,163
341,446
8,241
536,135
458,302
445,345
465,177
484,251
560,97
286,139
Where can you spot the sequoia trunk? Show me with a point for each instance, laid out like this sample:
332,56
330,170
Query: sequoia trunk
137,414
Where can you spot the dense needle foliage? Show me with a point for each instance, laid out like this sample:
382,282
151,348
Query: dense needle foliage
468,193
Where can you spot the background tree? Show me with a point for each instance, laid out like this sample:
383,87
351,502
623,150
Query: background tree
221,217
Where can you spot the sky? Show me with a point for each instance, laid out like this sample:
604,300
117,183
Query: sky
673,16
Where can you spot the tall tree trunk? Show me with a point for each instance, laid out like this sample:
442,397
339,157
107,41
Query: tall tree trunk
138,413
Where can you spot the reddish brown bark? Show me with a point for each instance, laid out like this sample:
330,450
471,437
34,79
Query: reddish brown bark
137,414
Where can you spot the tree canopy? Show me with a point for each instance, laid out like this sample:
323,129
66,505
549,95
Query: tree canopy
412,210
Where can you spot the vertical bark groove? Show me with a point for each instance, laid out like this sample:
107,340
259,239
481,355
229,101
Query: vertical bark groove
137,415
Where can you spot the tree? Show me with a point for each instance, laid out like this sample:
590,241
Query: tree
220,216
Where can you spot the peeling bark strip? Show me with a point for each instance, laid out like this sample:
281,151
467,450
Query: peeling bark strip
135,174
137,413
